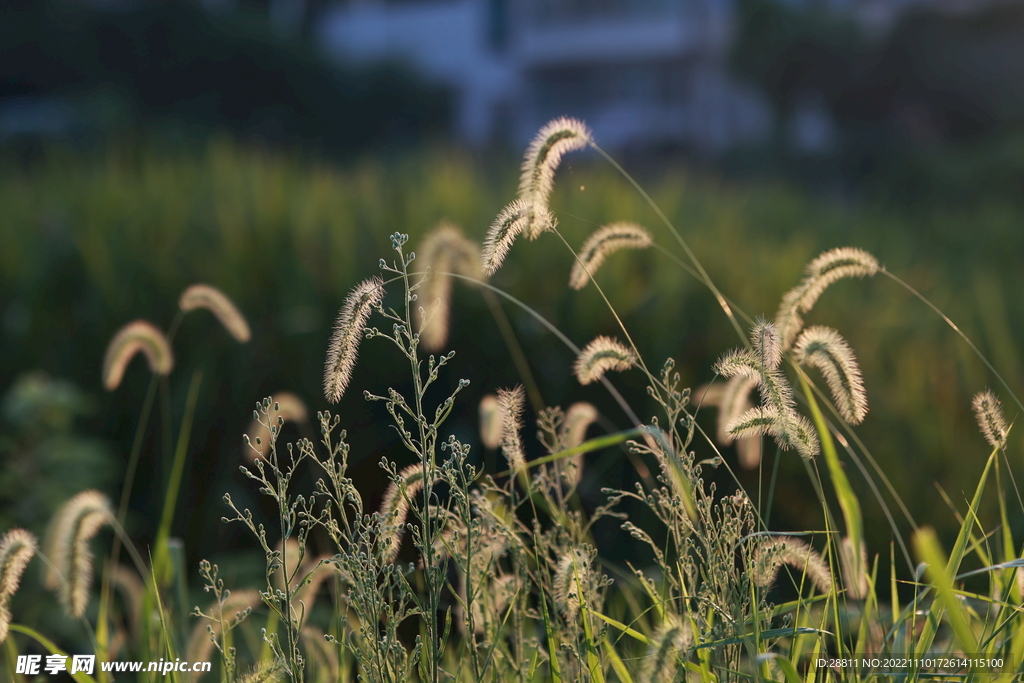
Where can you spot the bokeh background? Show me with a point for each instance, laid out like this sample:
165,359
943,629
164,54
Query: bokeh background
269,147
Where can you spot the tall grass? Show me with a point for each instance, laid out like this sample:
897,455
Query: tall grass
506,581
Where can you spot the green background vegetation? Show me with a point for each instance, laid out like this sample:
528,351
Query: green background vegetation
92,241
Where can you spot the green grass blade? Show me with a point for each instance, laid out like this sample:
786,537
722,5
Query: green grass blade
636,635
926,545
956,555
844,492
161,560
616,661
556,674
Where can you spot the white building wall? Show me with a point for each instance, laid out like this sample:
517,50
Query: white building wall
638,78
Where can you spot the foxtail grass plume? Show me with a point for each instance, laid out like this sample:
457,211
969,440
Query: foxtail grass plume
988,411
510,407
73,526
445,250
774,551
284,405
604,242
134,337
668,648
790,430
502,235
571,434
829,267
270,671
394,508
126,580
557,138
600,356
16,549
776,415
490,421
824,348
348,332
573,575
218,303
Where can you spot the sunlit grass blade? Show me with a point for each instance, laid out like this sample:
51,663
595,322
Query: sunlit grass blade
926,543
927,636
161,557
848,502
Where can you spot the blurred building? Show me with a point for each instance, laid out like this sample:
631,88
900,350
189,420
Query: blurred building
642,73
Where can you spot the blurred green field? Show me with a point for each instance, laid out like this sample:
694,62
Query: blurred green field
91,241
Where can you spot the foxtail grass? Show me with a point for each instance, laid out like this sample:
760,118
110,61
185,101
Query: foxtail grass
348,332
445,249
601,355
16,549
603,243
510,406
216,302
989,413
552,142
136,337
71,530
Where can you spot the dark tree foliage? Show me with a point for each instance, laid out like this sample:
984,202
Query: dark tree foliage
175,62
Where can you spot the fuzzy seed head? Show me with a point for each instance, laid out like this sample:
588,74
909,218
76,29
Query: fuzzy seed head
284,405
572,433
774,551
600,245
600,356
73,526
502,235
753,423
490,421
824,348
988,411
348,332
126,580
510,407
788,321
444,250
394,508
749,453
791,430
739,363
135,337
574,582
270,671
840,263
795,432
822,272
671,641
766,344
557,138
16,548
215,301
